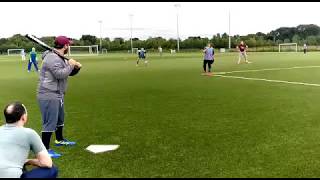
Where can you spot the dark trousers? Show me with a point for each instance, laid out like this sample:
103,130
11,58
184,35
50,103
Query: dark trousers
41,173
305,51
30,64
209,62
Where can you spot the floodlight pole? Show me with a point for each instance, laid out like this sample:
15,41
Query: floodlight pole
131,15
229,31
100,36
274,37
178,46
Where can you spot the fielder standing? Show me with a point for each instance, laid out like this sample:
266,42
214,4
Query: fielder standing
142,56
160,50
33,60
242,47
305,48
208,59
23,55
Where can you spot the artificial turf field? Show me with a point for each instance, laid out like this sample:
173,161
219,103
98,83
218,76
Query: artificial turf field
172,122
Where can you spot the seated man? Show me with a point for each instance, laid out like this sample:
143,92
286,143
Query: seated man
16,143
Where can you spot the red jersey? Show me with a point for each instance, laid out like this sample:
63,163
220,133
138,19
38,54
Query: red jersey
242,47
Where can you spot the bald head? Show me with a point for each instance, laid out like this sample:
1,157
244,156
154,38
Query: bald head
13,112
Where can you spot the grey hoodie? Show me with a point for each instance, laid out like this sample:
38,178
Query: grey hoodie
53,77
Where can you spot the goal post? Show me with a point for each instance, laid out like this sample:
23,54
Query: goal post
15,52
289,46
83,50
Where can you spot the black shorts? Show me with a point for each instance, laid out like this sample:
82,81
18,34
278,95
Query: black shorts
208,61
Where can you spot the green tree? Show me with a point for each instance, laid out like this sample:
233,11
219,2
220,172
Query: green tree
88,40
312,40
296,38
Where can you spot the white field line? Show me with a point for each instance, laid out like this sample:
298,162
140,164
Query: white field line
12,60
270,69
269,80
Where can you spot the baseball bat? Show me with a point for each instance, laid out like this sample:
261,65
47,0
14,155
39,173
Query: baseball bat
47,47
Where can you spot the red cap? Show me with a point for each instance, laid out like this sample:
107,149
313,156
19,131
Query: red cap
62,40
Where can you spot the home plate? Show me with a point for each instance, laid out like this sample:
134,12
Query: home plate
101,148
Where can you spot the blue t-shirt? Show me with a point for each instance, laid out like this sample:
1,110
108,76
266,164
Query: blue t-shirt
33,56
142,54
208,54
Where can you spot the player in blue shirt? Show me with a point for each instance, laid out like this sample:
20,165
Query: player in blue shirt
33,60
142,56
208,59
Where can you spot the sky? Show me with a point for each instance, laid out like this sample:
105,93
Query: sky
152,19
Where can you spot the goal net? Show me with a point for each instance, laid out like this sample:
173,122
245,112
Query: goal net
288,47
15,52
83,50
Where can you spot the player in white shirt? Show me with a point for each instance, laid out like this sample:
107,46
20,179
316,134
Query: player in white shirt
23,55
305,48
160,50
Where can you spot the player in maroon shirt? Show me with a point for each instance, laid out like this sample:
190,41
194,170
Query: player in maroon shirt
242,47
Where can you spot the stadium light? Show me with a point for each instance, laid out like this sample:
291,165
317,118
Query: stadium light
100,22
229,31
177,6
131,16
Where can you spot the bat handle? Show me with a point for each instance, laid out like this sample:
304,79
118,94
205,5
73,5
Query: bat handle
63,57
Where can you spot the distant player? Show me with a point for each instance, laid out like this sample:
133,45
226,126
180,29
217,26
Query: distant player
160,50
23,55
33,60
242,47
208,59
142,56
305,48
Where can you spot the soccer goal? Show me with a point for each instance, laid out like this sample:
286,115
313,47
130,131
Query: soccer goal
104,51
135,50
288,47
15,52
83,50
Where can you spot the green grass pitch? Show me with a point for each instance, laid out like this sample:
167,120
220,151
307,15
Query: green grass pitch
172,122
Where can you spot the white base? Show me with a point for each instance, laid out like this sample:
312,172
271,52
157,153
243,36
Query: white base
101,148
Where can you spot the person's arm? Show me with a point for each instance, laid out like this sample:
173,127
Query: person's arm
57,69
42,157
42,160
205,49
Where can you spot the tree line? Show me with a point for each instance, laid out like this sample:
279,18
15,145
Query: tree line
309,34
